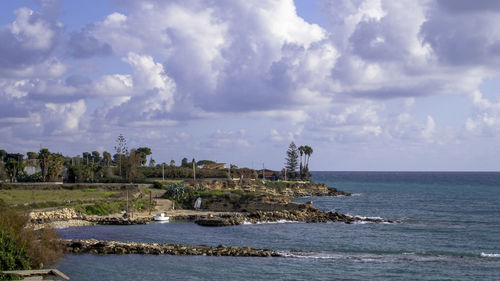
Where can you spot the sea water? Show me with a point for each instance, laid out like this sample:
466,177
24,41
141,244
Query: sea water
447,228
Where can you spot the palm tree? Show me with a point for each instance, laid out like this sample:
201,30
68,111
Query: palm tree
307,151
301,151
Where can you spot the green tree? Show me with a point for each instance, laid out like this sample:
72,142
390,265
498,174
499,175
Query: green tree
86,157
96,157
56,166
32,155
3,154
44,161
291,157
308,151
133,160
13,168
172,163
185,163
106,158
204,162
143,152
121,150
301,152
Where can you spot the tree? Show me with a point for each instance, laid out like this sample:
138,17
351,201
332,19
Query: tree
3,154
152,162
121,151
308,151
185,163
172,163
301,151
86,157
44,159
56,165
143,152
96,157
32,155
106,157
204,162
14,168
291,157
133,160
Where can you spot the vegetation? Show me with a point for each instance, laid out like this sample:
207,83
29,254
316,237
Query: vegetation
185,197
305,151
129,165
291,161
102,208
22,247
31,196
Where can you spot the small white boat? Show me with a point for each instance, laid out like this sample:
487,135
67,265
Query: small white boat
161,217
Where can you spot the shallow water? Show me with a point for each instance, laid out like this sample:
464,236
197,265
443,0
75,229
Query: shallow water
448,228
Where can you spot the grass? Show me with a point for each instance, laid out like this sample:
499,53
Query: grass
165,181
36,196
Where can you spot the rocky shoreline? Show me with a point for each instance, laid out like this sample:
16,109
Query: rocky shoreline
101,247
299,213
309,215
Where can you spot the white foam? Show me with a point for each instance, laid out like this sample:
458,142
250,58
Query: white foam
356,194
369,218
484,255
270,222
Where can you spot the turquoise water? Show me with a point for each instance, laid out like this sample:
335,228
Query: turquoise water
448,229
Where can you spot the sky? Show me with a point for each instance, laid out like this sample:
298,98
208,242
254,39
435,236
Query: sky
370,85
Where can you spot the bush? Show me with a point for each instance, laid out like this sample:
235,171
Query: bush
37,177
22,247
12,257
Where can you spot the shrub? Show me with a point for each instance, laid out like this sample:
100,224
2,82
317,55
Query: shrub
23,247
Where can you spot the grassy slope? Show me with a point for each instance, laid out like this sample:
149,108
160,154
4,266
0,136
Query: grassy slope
20,196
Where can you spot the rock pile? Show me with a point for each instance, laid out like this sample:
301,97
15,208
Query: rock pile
117,220
93,246
57,215
308,214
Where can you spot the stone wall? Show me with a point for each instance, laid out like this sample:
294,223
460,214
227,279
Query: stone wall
93,246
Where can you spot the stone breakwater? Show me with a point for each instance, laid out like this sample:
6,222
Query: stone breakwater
100,247
56,215
117,220
308,214
69,214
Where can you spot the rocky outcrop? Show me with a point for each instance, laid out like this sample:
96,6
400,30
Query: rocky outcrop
93,246
117,220
67,214
308,214
56,215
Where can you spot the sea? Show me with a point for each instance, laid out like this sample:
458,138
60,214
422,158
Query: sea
447,227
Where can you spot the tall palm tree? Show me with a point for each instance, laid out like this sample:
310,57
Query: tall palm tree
301,151
307,151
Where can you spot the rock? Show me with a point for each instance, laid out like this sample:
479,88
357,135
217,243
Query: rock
114,247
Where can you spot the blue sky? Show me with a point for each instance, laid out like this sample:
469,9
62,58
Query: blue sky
369,84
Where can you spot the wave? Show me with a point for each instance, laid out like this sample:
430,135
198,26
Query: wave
386,257
484,255
271,222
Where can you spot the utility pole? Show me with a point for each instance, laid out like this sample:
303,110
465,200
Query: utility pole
127,202
263,172
150,202
163,171
194,171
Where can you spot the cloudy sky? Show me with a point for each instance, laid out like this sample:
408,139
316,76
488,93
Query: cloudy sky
368,84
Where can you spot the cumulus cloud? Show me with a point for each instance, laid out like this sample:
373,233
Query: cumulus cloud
354,79
84,45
